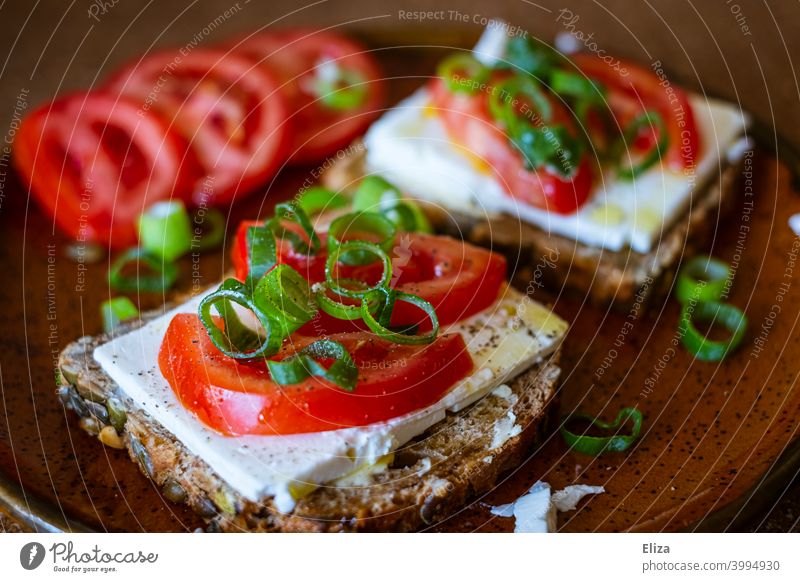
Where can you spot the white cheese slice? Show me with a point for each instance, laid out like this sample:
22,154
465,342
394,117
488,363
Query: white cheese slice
410,147
503,340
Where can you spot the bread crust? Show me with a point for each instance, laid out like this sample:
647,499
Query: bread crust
432,477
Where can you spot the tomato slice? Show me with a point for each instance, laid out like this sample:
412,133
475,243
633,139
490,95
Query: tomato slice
467,120
633,89
227,107
294,56
457,278
236,399
95,164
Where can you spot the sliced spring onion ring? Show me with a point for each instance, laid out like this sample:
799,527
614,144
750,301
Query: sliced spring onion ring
335,284
699,345
361,224
504,100
293,370
115,311
165,230
375,194
261,253
336,308
702,278
389,298
238,341
593,445
463,73
646,119
345,89
291,212
284,296
318,199
212,221
163,274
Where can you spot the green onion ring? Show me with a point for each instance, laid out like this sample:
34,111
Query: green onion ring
284,296
335,308
214,233
237,341
262,253
502,106
702,279
165,230
475,72
164,273
292,212
380,326
361,223
357,245
115,311
700,346
318,199
648,118
294,369
377,195
592,445
348,91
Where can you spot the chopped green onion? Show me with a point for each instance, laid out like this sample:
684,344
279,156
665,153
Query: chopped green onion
345,90
261,253
337,309
647,119
115,311
212,221
162,277
237,341
529,55
165,230
593,445
377,195
283,295
291,212
463,73
363,224
318,199
504,100
295,369
712,312
574,84
335,284
702,279
388,299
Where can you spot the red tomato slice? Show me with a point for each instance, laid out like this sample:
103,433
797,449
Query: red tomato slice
457,278
469,124
227,107
95,164
640,89
235,398
293,55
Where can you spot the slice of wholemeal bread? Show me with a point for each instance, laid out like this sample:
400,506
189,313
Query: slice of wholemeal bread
431,477
537,257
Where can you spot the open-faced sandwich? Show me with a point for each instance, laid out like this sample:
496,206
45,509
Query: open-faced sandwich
356,374
609,170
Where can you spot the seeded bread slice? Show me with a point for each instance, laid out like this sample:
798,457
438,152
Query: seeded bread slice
538,258
430,478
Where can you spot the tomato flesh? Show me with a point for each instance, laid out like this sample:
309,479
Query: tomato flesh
95,164
457,278
236,398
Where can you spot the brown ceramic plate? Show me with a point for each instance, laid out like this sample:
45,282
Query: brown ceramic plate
718,440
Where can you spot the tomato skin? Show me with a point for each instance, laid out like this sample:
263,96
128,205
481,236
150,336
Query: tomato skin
457,278
95,164
229,109
292,54
468,123
628,92
236,399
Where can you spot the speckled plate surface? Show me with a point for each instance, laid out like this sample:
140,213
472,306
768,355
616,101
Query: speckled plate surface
711,433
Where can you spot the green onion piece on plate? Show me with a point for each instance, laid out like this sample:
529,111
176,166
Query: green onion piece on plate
369,226
165,230
162,273
648,119
237,341
317,199
575,84
595,445
339,88
702,278
262,253
463,73
701,347
335,308
380,326
337,285
115,311
283,295
375,194
293,370
291,212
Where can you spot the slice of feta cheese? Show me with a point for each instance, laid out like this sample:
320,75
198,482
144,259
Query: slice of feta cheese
503,340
